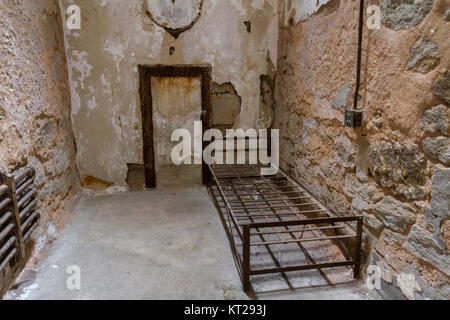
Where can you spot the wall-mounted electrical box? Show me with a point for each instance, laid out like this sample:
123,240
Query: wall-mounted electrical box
353,118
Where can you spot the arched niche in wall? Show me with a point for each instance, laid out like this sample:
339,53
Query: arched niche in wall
176,16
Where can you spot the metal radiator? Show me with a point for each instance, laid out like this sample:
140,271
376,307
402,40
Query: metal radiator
18,215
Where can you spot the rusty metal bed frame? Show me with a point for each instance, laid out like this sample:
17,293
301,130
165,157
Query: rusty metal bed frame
272,211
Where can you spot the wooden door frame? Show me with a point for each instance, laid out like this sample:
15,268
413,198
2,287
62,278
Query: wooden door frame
146,72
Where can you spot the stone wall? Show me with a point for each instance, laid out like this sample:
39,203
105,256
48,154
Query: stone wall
395,169
35,126
238,38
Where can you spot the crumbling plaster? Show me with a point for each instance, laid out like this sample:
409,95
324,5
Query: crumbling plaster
35,126
297,10
117,36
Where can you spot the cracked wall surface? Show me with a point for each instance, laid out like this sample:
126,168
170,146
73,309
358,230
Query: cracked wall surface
35,126
394,170
116,36
290,59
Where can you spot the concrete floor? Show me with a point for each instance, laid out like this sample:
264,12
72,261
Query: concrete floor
149,245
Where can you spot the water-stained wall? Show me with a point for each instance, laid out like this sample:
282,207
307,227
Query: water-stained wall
238,38
35,126
176,103
394,170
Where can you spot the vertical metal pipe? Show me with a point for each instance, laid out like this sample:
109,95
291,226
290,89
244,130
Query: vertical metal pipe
358,63
9,181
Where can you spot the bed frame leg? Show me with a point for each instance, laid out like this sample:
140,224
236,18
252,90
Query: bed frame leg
246,258
359,230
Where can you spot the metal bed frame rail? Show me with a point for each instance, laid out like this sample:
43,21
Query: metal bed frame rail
18,215
261,206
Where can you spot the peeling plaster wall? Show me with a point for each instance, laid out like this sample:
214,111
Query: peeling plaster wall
297,10
116,36
394,169
35,126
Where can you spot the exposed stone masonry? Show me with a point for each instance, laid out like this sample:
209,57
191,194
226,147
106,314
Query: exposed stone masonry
35,126
394,170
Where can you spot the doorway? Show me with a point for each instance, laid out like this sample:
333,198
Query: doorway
172,96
